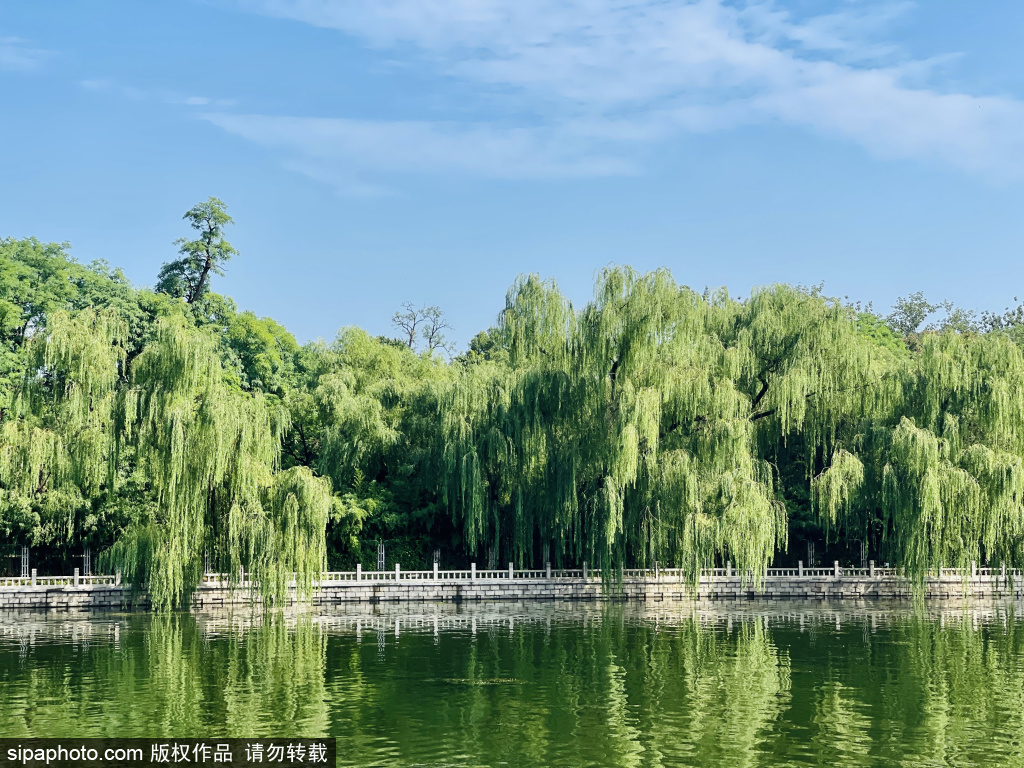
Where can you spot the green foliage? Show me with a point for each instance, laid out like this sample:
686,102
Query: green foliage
875,329
211,454
655,423
121,425
909,313
639,428
941,474
187,278
1009,322
56,446
37,279
264,350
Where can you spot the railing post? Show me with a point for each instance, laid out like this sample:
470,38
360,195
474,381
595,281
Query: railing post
547,568
435,570
974,569
871,569
510,571
836,569
359,571
76,577
800,568
398,571
117,579
728,568
657,571
33,577
472,571
584,570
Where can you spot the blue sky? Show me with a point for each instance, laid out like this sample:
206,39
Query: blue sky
431,150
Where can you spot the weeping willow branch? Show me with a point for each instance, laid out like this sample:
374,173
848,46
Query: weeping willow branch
646,425
212,454
583,449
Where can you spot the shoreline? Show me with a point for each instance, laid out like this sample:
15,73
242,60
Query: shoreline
71,594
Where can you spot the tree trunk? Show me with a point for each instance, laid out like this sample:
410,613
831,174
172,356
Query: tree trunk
197,292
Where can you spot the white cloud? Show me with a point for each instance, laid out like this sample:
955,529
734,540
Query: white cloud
141,94
342,179
846,33
17,54
483,150
608,77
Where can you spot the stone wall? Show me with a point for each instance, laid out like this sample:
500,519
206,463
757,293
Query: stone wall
62,598
715,588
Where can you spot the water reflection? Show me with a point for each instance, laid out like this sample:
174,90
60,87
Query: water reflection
159,675
540,685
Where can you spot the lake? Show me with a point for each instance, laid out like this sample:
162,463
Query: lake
544,684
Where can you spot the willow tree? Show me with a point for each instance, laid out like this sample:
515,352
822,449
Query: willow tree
941,471
56,444
360,400
639,428
211,453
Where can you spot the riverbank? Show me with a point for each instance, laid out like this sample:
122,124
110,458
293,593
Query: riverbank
75,593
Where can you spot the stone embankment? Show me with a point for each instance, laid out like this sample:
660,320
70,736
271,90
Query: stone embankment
74,593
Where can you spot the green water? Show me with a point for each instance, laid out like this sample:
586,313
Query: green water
540,685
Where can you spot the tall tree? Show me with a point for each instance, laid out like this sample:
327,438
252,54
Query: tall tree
430,323
909,312
641,427
212,455
56,446
38,279
938,465
188,277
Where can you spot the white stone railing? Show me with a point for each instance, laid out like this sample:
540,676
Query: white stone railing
57,581
647,574
512,573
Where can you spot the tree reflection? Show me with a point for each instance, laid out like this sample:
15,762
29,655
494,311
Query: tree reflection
607,687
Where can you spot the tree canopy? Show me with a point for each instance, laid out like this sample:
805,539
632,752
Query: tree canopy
188,277
655,423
